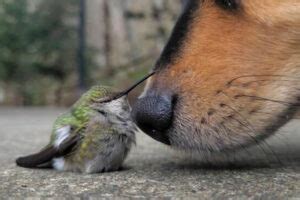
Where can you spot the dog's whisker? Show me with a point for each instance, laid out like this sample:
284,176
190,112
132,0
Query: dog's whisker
249,126
258,98
261,75
240,146
281,137
266,82
287,117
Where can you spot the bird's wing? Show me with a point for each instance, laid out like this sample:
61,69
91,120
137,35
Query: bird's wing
63,145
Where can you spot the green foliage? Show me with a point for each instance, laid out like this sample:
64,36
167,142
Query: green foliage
37,41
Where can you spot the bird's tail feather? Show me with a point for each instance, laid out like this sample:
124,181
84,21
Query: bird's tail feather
38,160
45,156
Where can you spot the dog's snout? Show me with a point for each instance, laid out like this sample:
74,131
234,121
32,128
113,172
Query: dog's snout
153,114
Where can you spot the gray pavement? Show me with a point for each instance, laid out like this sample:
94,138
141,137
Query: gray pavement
152,169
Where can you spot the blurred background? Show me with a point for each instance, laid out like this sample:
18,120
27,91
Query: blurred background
51,51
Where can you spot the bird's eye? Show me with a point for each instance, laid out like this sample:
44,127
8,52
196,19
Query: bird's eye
102,112
228,4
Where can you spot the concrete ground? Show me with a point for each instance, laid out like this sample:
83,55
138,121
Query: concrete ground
152,169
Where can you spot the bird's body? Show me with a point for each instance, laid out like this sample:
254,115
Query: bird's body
91,137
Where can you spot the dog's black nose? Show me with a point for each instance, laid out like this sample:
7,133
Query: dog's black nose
153,114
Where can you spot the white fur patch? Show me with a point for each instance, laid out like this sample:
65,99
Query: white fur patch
144,93
59,164
62,134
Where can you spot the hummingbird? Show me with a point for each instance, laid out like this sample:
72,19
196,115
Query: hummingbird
93,136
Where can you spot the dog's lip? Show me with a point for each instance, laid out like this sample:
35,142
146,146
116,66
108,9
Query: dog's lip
159,136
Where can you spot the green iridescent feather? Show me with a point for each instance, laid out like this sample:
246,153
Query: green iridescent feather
80,112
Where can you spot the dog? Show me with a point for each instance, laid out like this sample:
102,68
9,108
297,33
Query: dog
228,77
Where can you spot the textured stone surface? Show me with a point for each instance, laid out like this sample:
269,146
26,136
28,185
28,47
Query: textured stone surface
151,171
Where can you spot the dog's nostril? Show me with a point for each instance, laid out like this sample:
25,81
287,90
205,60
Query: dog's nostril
154,114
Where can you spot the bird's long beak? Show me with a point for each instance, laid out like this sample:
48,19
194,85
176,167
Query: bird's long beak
125,92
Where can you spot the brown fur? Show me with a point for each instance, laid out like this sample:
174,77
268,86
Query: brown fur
237,76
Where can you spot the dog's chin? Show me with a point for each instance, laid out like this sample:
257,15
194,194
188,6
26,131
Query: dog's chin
209,142
158,136
193,137
189,137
